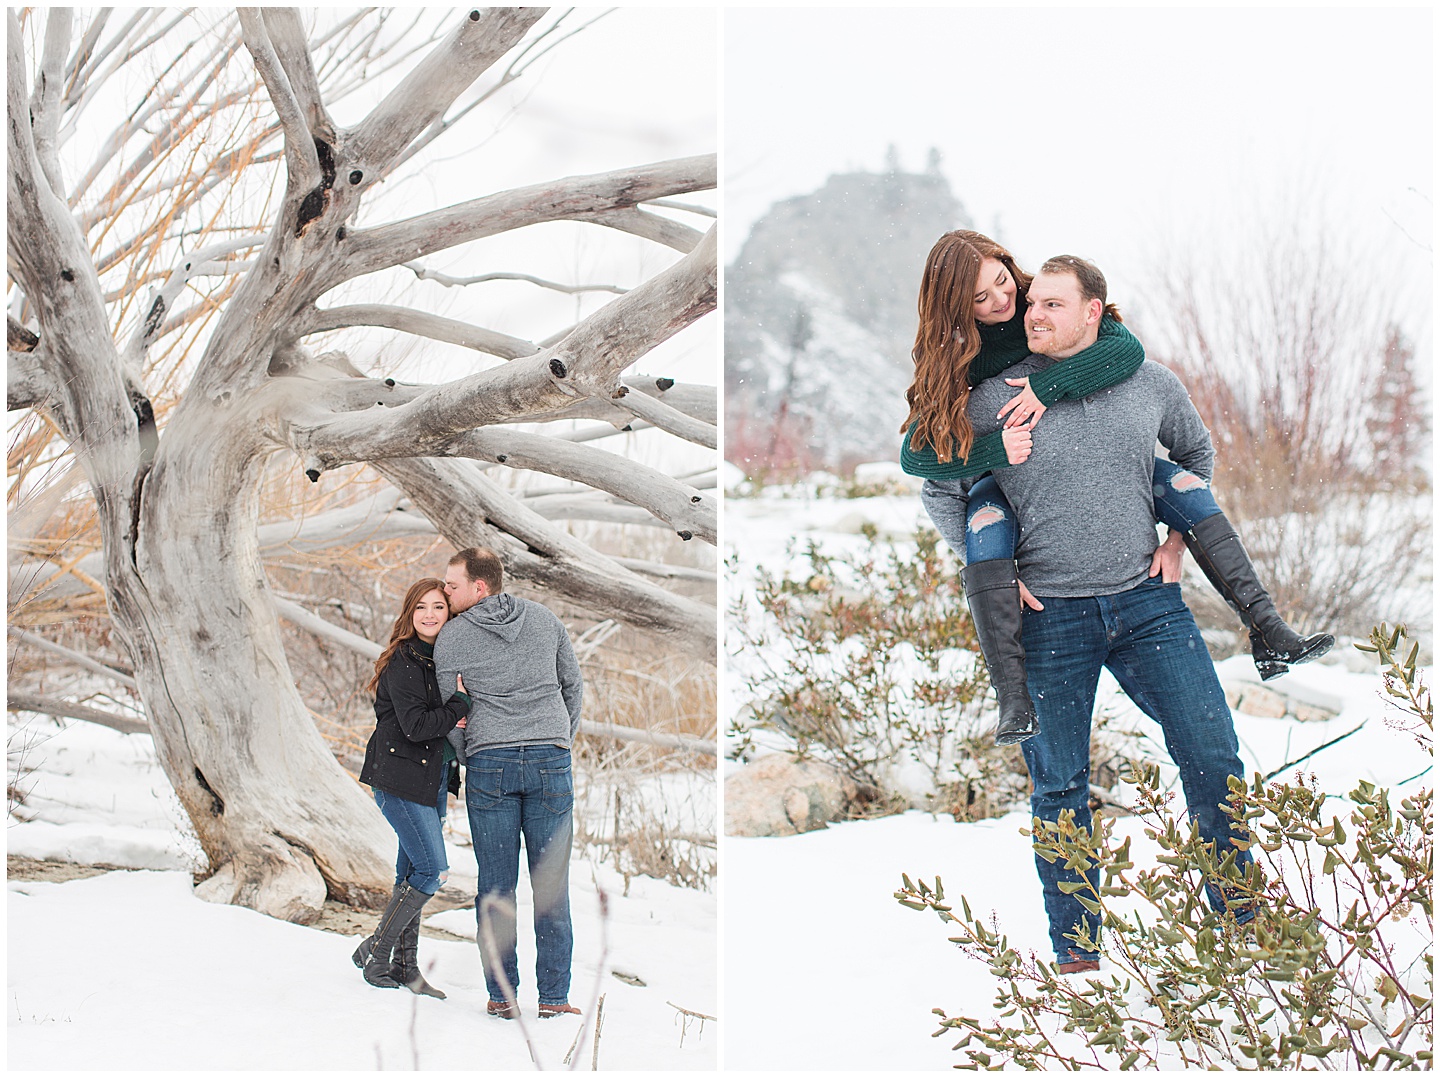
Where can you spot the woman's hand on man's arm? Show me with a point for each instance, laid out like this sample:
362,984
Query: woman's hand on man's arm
1025,407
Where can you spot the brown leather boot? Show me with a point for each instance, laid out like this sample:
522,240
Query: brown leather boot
500,1009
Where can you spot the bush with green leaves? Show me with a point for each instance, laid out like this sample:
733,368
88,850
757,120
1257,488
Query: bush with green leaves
867,660
1334,972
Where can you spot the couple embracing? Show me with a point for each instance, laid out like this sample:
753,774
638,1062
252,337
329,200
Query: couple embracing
1056,517
474,673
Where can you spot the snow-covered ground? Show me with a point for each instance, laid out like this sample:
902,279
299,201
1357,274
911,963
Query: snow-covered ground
129,970
825,970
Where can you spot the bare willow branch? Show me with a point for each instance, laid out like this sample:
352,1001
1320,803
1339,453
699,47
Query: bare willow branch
593,507
688,207
529,52
664,571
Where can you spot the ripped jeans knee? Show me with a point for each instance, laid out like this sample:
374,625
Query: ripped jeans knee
986,516
1182,498
990,526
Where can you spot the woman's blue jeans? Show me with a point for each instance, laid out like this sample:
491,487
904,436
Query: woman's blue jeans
1147,638
526,790
421,862
1182,500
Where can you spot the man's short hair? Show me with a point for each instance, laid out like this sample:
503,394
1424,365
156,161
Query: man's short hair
482,564
1092,281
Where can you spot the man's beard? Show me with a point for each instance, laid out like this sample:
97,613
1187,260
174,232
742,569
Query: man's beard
1052,342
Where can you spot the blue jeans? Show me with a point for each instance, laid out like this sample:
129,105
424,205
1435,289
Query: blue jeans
1147,639
421,861
1182,500
527,790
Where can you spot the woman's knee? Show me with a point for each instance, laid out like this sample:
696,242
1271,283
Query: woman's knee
1182,498
989,530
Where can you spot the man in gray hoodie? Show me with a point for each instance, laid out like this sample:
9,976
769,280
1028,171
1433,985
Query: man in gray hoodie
524,684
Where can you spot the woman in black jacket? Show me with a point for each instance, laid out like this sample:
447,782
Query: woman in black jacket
408,763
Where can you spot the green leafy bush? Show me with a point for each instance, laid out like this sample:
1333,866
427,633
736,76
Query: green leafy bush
1334,971
867,660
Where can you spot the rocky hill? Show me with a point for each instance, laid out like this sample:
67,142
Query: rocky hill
820,319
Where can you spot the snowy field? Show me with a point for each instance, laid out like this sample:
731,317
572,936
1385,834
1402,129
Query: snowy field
825,970
128,970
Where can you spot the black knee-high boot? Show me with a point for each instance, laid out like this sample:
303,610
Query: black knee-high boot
407,961
992,589
405,904
366,950
1222,558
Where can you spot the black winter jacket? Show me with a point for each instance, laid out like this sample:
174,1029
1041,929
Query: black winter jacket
405,755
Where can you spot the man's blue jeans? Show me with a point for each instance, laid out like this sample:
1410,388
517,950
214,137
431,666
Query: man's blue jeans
1148,640
527,790
421,861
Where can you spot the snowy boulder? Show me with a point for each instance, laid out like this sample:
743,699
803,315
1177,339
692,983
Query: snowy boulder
780,795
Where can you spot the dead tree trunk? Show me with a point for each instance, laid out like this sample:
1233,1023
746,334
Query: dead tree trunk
178,507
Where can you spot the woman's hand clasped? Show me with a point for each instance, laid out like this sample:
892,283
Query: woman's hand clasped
1025,407
1017,442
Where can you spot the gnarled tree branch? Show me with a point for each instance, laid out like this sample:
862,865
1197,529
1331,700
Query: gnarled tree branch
574,198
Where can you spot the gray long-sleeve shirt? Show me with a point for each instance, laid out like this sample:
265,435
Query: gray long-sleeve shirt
520,672
1084,498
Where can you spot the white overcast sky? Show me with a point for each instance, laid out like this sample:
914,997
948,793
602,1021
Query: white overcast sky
1096,131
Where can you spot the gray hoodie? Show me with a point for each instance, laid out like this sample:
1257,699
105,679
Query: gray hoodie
520,673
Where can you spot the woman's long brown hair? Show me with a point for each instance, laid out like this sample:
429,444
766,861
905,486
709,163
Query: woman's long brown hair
404,627
948,340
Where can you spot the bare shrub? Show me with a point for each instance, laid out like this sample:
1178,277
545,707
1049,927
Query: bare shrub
1309,386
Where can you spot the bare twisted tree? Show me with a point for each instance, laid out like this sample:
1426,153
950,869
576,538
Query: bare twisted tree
160,306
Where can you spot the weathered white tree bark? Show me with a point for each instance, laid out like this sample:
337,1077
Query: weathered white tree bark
178,508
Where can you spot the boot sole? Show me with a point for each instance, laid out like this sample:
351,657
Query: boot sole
1270,669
